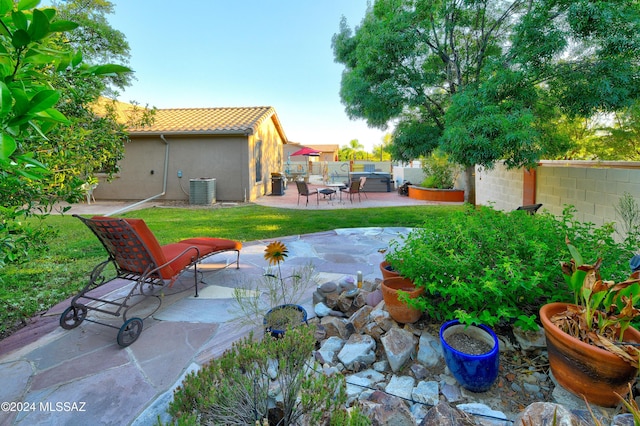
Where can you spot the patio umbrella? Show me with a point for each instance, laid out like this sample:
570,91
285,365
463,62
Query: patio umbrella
307,151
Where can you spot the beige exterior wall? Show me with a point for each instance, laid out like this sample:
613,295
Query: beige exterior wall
230,160
593,188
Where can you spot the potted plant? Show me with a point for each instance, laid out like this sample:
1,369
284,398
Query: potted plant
472,354
441,175
387,270
283,293
395,292
591,345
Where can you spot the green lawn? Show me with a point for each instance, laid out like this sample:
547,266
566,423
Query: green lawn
26,290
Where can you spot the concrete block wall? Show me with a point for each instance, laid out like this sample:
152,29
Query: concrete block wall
594,188
415,175
499,187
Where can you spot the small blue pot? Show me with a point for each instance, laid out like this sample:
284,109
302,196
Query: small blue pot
279,333
476,373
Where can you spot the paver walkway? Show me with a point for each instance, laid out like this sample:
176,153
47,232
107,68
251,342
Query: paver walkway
81,376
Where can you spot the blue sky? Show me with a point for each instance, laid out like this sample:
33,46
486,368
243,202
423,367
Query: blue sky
220,53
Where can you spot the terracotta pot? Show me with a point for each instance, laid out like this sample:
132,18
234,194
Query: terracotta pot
586,369
398,310
386,272
434,194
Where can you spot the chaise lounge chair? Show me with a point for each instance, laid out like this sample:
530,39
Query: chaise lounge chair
137,256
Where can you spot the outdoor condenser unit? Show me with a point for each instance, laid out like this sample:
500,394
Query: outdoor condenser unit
202,191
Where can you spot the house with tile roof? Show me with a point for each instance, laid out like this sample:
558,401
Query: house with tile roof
237,147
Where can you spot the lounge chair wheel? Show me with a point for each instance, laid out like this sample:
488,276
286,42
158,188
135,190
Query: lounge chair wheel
73,316
129,332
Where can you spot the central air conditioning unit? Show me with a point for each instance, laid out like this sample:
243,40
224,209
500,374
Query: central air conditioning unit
202,191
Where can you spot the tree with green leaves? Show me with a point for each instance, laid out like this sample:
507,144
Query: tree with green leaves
31,62
485,80
353,151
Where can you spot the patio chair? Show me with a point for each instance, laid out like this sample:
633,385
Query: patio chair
363,180
530,208
137,256
304,191
352,189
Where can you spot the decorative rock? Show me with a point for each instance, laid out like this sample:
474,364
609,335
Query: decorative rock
541,413
373,330
398,345
530,340
318,297
400,386
372,376
344,303
451,392
386,410
347,283
370,286
426,393
321,309
380,366
505,345
445,415
359,348
383,320
374,298
328,287
355,386
430,351
329,348
360,317
489,417
272,368
334,326
418,370
332,300
320,333
361,299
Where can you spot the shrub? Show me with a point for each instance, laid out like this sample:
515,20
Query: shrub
485,266
439,171
235,388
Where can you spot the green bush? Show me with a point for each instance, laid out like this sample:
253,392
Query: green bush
235,388
439,171
485,266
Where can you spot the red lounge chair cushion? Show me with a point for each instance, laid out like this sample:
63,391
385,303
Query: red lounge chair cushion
216,243
177,253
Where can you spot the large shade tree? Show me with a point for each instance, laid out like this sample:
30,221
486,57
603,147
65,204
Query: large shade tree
487,80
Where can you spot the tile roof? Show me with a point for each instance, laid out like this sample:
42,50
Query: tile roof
198,121
236,120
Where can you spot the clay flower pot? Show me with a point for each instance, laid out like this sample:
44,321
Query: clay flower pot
400,311
387,271
474,372
586,369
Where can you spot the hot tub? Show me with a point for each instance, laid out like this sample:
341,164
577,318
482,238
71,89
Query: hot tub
376,181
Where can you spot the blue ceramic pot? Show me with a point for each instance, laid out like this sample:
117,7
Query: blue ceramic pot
474,372
275,332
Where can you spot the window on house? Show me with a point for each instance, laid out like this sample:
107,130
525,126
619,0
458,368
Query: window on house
257,155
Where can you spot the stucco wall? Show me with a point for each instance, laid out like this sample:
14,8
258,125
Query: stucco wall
593,188
229,159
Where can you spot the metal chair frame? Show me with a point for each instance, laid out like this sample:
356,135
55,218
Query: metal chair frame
134,260
354,188
303,190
